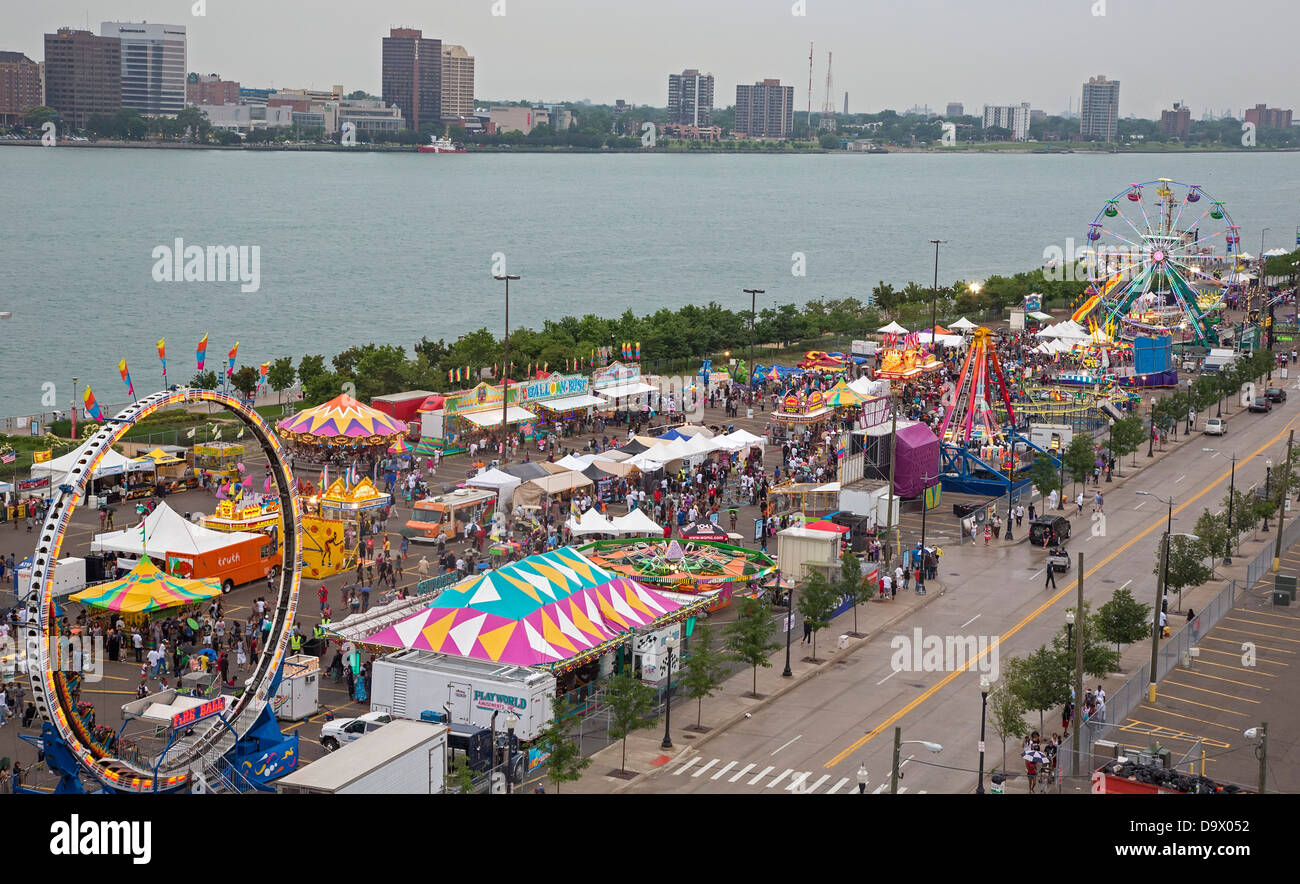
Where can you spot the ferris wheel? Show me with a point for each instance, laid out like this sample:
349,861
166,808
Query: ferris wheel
1159,257
184,763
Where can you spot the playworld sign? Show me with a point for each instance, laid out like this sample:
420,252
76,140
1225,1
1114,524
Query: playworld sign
501,702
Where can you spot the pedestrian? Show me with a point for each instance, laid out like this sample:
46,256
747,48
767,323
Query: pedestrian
1031,512
988,533
862,778
920,579
807,630
974,533
1067,714
1051,577
886,586
137,642
1078,501
1098,504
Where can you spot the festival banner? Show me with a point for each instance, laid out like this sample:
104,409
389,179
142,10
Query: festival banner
230,370
42,456
92,407
162,354
126,378
201,352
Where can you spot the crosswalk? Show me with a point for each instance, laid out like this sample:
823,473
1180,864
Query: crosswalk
768,777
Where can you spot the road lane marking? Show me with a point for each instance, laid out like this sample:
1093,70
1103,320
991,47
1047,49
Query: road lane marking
1193,687
760,776
1033,615
797,781
1140,505
706,767
723,770
1034,576
815,786
833,789
779,777
740,773
1126,584
971,620
882,787
887,678
681,770
1180,478
783,745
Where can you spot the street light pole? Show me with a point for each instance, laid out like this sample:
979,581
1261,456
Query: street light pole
1011,484
1110,449
984,709
934,301
789,625
74,408
668,703
1268,478
1281,506
511,721
505,372
1160,593
1232,494
753,314
1151,444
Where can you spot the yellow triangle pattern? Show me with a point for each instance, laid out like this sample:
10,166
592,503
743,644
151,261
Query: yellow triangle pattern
633,600
608,611
494,640
436,633
524,586
551,632
583,622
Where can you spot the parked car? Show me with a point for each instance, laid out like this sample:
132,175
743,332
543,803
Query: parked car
1039,528
1216,426
345,730
1260,404
1275,394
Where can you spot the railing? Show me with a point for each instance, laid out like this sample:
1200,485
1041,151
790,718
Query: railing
1263,561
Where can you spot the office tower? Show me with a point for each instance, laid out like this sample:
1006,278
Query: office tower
765,110
153,66
1099,112
457,82
690,98
412,76
83,74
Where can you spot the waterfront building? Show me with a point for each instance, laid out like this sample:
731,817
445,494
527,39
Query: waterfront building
1176,123
765,110
1264,117
83,74
20,86
1099,112
412,76
371,117
690,98
247,117
518,119
692,133
955,109
457,83
1014,118
153,66
209,89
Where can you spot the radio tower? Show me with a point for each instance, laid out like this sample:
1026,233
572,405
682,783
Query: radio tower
810,75
827,120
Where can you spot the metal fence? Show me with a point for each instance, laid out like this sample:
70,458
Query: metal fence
1263,561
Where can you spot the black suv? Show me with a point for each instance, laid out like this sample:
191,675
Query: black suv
1039,528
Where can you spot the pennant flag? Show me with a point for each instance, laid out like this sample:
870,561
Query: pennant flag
638,349
545,365
126,378
162,354
92,407
201,352
8,457
231,356
467,374
42,456
449,374
264,368
190,434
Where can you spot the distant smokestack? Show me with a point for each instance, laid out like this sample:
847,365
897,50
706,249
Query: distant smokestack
846,104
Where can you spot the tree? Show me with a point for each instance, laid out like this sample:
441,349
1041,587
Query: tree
1212,528
564,762
310,367
1006,714
749,638
703,669
462,775
245,380
1186,564
853,587
204,380
1123,620
1079,458
1126,436
817,602
629,701
1098,659
1045,476
1040,681
280,376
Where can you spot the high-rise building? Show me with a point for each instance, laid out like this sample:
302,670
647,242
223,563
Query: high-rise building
210,89
765,110
457,82
690,98
83,74
153,66
20,86
1014,118
1176,123
956,109
1265,117
1099,112
412,76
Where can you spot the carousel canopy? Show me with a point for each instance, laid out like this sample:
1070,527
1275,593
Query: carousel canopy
542,610
147,589
343,422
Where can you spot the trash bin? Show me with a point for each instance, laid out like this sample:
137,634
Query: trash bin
999,784
843,642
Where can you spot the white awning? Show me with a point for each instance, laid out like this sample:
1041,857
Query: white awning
492,418
568,403
637,389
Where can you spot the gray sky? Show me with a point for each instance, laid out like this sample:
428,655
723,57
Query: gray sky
1220,54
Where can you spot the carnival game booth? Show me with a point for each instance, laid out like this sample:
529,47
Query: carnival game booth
620,386
251,515
556,611
171,470
189,550
469,415
691,567
560,398
902,357
114,478
558,486
218,460
799,412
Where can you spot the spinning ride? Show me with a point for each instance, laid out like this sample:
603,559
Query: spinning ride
1152,254
970,416
216,743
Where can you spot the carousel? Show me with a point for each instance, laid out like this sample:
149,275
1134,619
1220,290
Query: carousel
342,425
691,567
902,357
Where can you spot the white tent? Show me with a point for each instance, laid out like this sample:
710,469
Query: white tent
503,483
167,531
112,464
1274,253
636,522
646,462
573,462
892,329
592,522
963,324
869,388
742,439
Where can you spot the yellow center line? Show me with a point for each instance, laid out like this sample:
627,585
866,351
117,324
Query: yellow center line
1192,687
950,677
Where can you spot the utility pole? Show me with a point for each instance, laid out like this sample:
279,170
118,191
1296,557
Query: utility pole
1160,595
1078,669
898,744
893,451
505,375
1285,484
1263,754
810,78
753,308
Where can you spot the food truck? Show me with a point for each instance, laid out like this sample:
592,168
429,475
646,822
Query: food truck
244,561
218,459
448,514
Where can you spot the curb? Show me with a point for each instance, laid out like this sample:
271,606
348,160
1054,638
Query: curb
791,685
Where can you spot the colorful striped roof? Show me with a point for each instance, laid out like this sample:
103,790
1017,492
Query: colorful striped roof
342,420
147,589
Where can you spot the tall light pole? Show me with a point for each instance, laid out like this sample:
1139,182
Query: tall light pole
1281,506
668,703
505,370
74,408
1160,593
789,624
1110,449
1078,669
753,314
934,300
1268,479
895,775
511,721
1151,444
985,684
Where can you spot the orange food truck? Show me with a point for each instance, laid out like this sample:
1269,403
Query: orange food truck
448,514
245,561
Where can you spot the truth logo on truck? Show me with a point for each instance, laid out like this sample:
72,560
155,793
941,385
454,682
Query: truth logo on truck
501,702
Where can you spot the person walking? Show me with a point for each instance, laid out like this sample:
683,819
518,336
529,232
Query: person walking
1051,577
807,630
862,778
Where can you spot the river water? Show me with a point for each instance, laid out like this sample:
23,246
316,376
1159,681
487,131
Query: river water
390,247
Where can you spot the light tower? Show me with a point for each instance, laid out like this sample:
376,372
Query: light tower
810,76
827,120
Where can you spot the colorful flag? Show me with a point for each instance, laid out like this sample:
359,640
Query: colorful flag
264,369
42,456
230,371
162,354
449,376
92,407
201,352
126,378
638,349
8,457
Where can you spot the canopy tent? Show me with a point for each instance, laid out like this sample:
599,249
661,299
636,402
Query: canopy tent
596,474
646,462
591,522
623,390
112,464
492,416
503,483
1040,316
569,403
633,447
530,492
343,422
525,470
741,439
962,325
162,458
841,396
827,525
576,462
544,610
167,531
147,589
892,329
637,522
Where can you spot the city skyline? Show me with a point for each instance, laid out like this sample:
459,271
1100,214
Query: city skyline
739,43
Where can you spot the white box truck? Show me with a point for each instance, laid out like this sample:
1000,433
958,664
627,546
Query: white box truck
410,682
401,758
69,576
